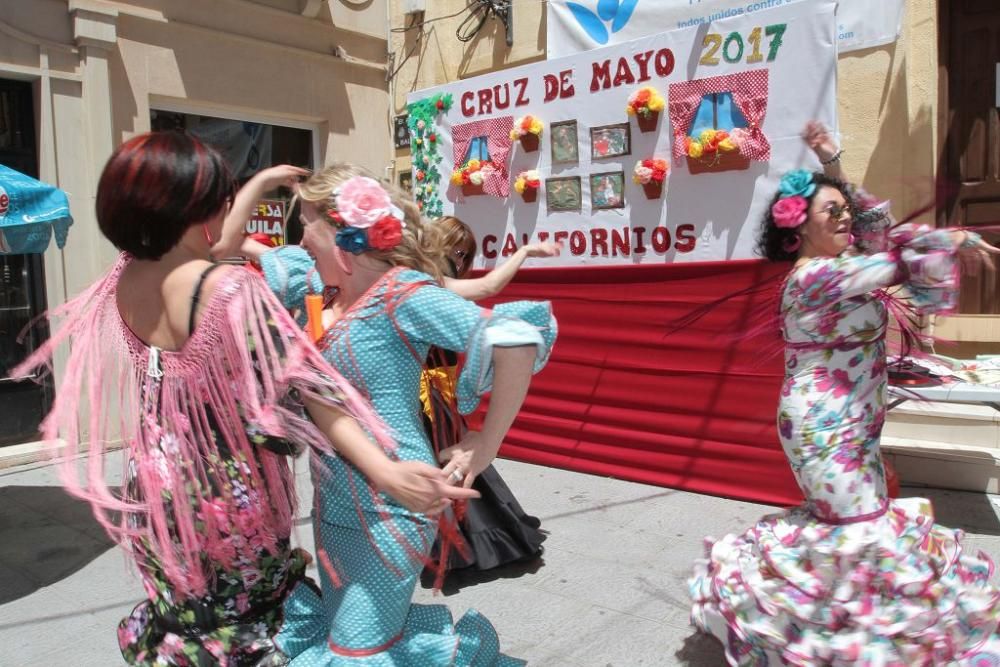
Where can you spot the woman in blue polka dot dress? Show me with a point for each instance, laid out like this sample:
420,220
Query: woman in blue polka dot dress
357,236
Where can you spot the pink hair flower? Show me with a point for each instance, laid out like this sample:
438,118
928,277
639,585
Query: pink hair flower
361,202
790,212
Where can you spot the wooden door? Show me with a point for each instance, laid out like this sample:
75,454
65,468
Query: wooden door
970,57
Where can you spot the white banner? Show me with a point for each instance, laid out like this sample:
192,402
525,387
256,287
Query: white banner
581,25
767,80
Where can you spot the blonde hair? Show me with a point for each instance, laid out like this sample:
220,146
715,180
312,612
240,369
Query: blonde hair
453,234
419,248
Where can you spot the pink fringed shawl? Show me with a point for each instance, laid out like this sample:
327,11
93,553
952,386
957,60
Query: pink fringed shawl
240,374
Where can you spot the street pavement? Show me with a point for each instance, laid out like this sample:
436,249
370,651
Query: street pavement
609,592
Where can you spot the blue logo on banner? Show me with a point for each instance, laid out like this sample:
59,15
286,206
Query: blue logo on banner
613,11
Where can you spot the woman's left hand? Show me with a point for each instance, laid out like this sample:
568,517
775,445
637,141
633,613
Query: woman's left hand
466,459
978,256
818,138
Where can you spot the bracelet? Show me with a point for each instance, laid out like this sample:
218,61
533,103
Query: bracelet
835,158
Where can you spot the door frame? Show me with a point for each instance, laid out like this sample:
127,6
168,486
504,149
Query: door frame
186,106
970,332
944,108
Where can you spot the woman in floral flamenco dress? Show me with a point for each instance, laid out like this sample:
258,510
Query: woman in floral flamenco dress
850,577
369,241
209,384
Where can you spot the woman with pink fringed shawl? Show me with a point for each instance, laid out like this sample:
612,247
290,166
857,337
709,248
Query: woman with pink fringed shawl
209,384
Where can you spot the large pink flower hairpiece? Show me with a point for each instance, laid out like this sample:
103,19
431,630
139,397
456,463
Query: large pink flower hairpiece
361,202
790,212
366,216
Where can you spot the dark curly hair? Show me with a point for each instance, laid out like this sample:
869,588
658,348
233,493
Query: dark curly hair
772,240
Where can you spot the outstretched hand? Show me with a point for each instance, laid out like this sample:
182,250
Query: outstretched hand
246,200
819,139
977,257
283,175
543,249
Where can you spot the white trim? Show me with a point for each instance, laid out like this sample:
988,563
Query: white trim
25,73
186,106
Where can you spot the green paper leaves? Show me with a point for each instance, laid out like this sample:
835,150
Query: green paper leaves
424,148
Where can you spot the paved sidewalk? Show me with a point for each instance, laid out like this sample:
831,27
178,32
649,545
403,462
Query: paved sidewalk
610,591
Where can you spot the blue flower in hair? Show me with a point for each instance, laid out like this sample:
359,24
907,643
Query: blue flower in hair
797,182
352,239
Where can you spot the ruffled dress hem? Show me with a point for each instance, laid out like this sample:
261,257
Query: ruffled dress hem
895,590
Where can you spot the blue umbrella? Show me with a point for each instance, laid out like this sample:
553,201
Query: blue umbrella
30,211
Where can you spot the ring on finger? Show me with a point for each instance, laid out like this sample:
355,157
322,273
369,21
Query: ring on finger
455,475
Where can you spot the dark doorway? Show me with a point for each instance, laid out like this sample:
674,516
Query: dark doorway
969,54
22,281
249,147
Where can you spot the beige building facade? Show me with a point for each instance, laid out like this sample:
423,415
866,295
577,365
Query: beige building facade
90,74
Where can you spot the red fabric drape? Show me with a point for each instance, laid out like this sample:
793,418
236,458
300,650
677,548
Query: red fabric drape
692,410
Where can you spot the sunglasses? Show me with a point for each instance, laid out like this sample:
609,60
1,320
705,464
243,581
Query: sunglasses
837,211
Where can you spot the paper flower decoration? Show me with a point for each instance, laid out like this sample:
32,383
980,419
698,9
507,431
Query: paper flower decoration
644,102
652,170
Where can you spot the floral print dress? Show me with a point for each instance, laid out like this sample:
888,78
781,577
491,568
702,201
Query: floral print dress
235,623
850,577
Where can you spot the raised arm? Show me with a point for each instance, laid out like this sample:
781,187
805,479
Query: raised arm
493,282
923,259
231,239
502,348
512,369
822,143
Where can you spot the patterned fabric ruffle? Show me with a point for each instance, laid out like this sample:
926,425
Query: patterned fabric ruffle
235,626
928,257
894,590
291,274
430,638
511,324
365,616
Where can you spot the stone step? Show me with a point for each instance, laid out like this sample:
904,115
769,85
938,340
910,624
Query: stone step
944,465
952,423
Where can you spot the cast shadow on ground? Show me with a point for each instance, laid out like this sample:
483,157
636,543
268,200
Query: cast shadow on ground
45,536
700,650
972,512
456,580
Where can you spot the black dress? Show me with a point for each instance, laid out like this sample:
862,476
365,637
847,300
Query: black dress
495,527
